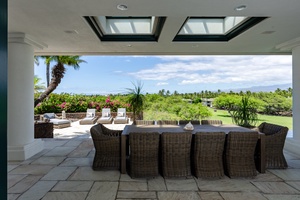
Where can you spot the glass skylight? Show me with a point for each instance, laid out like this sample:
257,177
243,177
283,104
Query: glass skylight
126,25
115,28
210,26
215,28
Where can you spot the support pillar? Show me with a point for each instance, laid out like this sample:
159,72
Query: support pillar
21,142
293,144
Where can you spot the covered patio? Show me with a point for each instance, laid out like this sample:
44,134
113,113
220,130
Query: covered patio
63,171
47,168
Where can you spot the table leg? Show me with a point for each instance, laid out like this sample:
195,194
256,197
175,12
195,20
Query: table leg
123,154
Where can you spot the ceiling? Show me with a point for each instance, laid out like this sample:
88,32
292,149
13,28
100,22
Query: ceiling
61,29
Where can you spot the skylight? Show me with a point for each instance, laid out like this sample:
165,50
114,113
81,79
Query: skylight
109,28
215,28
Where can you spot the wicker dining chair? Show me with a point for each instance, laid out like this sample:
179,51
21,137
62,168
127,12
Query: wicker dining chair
176,154
107,144
144,122
274,140
167,122
240,150
211,122
144,156
208,154
184,122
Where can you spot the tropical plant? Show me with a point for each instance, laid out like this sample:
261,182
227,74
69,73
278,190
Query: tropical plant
136,100
245,113
37,85
48,60
58,72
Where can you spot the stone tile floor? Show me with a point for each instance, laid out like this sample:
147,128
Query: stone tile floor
63,171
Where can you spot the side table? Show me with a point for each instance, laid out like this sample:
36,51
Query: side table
43,130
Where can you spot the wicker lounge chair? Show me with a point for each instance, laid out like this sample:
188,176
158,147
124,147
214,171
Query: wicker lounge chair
90,118
240,150
211,122
143,157
144,122
275,139
121,117
57,122
184,122
176,154
107,144
167,122
106,117
208,154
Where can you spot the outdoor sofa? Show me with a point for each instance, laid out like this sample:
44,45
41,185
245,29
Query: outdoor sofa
57,122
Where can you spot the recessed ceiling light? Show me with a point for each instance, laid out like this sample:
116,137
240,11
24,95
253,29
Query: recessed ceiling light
122,7
239,8
129,45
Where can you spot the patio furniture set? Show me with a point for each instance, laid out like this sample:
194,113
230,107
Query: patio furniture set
207,151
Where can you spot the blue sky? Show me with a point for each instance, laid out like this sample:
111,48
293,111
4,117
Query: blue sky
113,74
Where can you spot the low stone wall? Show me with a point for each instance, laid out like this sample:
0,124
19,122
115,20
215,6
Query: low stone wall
81,115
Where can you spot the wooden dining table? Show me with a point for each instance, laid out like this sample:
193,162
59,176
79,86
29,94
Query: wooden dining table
197,128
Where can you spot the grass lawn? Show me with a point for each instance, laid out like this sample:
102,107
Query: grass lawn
225,117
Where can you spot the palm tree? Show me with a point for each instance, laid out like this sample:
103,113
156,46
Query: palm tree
48,60
136,100
37,85
58,72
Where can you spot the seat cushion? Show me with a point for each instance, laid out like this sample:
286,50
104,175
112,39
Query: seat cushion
59,121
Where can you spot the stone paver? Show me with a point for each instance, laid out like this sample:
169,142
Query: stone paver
157,184
181,184
12,179
87,173
178,196
136,195
103,191
60,151
242,195
48,160
282,197
80,162
24,184
32,169
38,190
68,186
210,196
226,184
287,174
59,173
275,187
133,186
65,195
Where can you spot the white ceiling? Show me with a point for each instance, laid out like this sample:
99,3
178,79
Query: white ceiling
47,21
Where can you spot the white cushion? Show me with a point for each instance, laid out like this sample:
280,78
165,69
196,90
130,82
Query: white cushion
120,114
89,114
106,114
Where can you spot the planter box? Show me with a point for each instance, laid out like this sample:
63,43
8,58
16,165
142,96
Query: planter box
43,130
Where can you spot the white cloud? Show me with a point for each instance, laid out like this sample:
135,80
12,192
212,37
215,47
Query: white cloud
162,83
255,70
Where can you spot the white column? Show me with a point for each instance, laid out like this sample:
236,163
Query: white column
296,93
293,144
21,142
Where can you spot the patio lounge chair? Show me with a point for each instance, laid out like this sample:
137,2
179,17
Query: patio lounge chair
121,117
106,117
90,118
57,122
